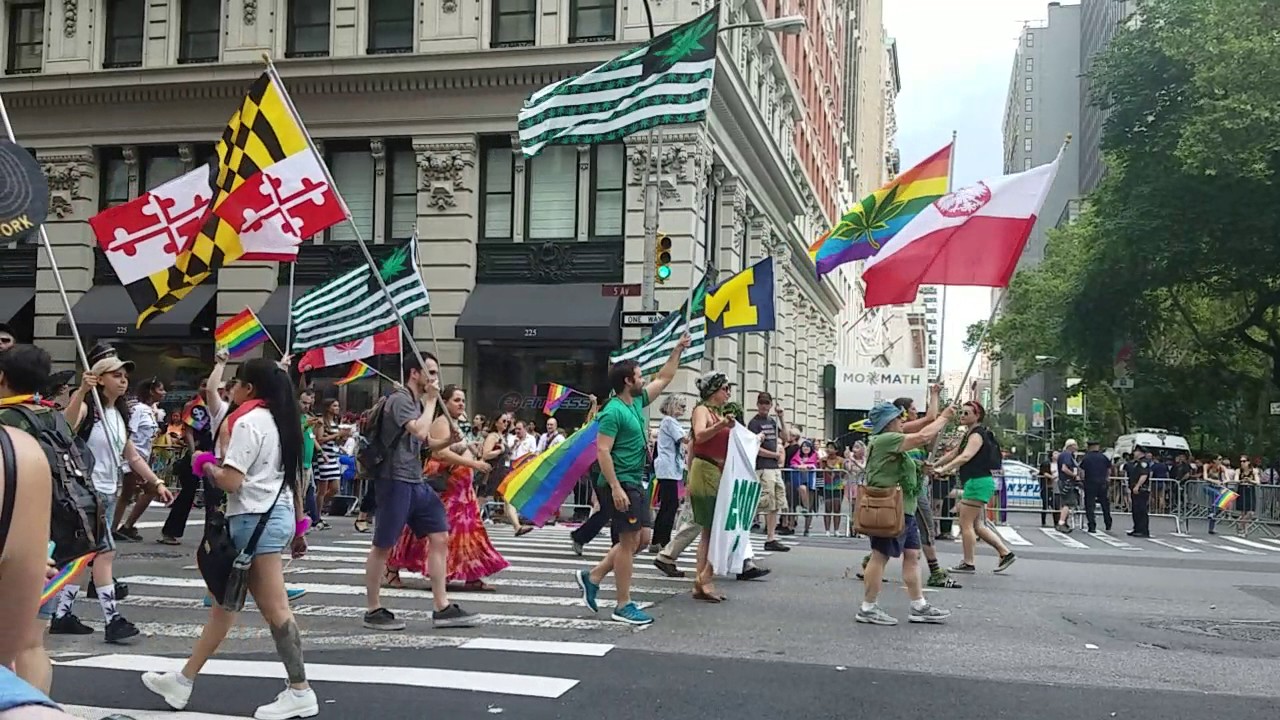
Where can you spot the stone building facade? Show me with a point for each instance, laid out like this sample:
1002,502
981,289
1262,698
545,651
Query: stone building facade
413,104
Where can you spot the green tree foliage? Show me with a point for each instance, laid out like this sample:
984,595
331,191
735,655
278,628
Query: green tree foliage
1176,251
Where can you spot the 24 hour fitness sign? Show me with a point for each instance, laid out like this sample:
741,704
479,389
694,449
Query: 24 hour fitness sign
860,388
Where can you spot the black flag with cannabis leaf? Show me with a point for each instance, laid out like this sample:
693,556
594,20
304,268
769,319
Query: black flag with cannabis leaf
666,81
352,306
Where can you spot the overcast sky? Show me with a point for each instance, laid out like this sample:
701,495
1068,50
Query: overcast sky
955,57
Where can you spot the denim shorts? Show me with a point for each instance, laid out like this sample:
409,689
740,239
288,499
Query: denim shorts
108,503
276,536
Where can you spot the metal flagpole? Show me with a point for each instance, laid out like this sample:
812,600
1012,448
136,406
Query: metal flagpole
355,229
288,333
942,321
652,170
62,292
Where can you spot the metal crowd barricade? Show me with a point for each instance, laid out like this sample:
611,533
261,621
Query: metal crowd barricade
824,493
164,459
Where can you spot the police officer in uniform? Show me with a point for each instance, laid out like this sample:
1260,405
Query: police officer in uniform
1139,471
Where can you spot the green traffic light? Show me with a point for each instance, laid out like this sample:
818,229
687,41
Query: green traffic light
664,273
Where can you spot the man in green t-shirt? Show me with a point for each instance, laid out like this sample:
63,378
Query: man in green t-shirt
890,465
621,453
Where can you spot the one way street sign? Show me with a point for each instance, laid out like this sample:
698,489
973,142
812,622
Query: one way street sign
641,319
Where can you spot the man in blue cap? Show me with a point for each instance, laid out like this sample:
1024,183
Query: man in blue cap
888,466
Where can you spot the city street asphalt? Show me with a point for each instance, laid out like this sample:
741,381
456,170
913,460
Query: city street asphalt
1070,632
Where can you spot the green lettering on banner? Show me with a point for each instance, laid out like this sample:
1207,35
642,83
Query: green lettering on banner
742,506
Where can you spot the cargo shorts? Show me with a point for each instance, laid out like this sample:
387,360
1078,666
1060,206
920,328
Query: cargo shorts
773,494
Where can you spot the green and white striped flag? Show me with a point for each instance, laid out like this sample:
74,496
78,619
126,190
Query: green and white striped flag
652,352
352,306
666,81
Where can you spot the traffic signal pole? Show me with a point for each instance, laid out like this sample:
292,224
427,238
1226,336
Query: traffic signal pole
648,300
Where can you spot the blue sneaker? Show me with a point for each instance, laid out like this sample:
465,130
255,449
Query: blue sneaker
589,589
208,601
294,593
632,615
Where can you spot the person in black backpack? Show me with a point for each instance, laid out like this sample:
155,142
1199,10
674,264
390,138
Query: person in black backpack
976,458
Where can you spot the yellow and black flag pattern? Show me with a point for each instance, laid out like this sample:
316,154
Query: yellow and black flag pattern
262,132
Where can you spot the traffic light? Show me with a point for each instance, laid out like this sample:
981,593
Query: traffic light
662,258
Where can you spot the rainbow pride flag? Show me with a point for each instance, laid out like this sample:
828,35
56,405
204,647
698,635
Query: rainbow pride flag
869,224
556,394
240,334
358,370
54,585
189,414
1226,499
537,487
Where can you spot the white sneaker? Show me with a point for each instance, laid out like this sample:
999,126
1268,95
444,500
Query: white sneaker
169,686
290,703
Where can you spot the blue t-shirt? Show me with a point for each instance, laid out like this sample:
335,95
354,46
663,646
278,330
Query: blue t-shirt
1067,461
16,693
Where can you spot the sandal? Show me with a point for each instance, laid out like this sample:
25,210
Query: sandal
362,526
392,579
700,593
524,530
472,586
168,541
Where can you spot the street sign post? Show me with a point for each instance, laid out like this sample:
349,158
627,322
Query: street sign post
620,290
640,319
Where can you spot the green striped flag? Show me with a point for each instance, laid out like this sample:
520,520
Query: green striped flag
352,306
666,81
652,352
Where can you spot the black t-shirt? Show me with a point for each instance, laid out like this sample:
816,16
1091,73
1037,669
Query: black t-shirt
1137,469
980,464
1096,467
1181,470
792,450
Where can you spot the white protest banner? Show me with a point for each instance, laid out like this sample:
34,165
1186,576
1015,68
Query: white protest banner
735,504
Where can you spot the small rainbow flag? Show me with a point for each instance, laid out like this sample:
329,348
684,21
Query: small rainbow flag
54,585
1226,499
189,416
240,334
869,224
358,370
556,394
537,487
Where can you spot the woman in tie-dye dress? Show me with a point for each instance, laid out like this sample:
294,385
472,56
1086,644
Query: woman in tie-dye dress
471,556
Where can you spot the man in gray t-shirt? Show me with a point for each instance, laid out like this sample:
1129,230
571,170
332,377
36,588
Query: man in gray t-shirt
773,494
404,500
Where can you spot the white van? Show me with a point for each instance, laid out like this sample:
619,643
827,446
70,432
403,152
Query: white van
1157,440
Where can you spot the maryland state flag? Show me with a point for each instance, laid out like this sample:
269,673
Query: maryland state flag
270,192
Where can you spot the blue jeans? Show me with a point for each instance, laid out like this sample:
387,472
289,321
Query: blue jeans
309,505
276,536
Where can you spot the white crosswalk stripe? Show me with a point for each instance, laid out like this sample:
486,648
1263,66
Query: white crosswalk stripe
1064,539
1114,542
1170,545
1227,548
1011,536
1251,543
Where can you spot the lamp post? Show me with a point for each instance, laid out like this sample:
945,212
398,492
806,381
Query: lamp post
789,25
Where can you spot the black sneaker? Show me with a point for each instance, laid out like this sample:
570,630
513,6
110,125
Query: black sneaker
965,568
1005,562
776,546
755,572
120,630
453,617
786,531
128,534
668,568
69,624
382,619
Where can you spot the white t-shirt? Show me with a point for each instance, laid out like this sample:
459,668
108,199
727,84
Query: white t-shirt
255,451
520,448
143,428
108,451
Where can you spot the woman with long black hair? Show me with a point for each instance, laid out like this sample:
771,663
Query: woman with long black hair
144,426
261,474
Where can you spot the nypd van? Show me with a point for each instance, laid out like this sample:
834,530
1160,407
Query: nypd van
1155,440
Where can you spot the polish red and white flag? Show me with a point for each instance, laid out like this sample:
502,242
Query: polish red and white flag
146,234
972,236
386,342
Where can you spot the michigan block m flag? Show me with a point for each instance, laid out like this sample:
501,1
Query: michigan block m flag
666,81
743,303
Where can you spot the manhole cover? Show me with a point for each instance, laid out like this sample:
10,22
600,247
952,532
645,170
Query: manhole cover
1240,630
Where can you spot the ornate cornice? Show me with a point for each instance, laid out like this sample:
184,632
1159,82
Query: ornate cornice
65,173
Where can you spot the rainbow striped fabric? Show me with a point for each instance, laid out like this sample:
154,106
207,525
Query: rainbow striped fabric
1226,499
54,585
556,394
358,370
869,224
240,334
537,487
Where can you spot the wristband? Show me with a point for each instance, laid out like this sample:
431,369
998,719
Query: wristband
302,527
202,461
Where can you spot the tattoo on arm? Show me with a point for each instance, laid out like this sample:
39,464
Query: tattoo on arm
289,648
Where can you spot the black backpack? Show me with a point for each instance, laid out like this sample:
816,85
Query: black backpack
990,448
76,522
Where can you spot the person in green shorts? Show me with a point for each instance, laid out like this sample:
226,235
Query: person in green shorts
975,458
